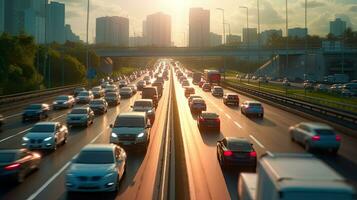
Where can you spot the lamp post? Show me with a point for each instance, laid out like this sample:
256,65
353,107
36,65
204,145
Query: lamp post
229,30
224,28
305,69
287,34
87,37
247,31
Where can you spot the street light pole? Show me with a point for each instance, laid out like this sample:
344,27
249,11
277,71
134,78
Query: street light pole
87,37
224,28
247,31
287,34
305,70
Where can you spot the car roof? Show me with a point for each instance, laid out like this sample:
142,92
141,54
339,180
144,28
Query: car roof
195,96
99,147
211,115
133,114
80,108
251,101
232,94
197,100
316,125
143,100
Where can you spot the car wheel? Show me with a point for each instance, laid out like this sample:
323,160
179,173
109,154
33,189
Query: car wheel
20,177
308,147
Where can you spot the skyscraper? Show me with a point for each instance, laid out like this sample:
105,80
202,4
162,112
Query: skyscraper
158,30
113,31
69,35
267,34
55,23
250,37
233,39
199,27
2,16
337,27
215,39
297,32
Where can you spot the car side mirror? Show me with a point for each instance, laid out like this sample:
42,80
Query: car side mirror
111,126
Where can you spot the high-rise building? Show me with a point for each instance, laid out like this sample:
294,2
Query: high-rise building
158,30
267,34
69,35
2,16
55,23
14,15
215,39
250,37
199,27
136,41
337,27
34,25
112,31
144,33
297,32
233,39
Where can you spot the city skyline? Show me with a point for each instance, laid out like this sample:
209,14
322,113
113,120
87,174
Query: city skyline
272,14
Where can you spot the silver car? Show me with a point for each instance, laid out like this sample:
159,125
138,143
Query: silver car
249,108
126,92
46,135
98,92
145,105
63,101
99,105
112,98
314,135
83,116
85,97
217,91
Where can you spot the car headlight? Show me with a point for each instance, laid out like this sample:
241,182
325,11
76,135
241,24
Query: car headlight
25,139
140,135
47,139
55,102
150,111
114,135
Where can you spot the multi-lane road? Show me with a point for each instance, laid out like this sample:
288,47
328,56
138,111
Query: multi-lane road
207,180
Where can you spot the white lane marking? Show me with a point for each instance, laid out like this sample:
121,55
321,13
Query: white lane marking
19,133
237,124
229,117
49,181
14,115
257,141
59,116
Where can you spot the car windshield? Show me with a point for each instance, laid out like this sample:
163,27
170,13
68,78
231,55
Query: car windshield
324,132
96,102
111,95
125,90
86,93
7,157
79,89
34,107
79,111
129,122
218,89
62,98
43,128
255,105
240,146
142,104
209,115
95,157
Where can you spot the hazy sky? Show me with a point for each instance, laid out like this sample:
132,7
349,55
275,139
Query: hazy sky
272,14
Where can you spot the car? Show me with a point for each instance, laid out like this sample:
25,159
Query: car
78,90
189,91
81,116
84,97
46,136
131,130
336,88
160,79
236,152
111,88
113,98
145,105
159,86
147,78
252,108
209,120
140,85
217,91
185,83
99,106
200,84
150,93
231,99
314,135
321,88
17,164
133,88
122,83
285,83
97,168
206,87
182,78
104,84
35,112
189,99
126,92
63,101
1,120
98,92
198,105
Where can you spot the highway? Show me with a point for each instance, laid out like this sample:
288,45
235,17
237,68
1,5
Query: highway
49,181
206,178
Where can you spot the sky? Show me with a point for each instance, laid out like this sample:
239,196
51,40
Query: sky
272,14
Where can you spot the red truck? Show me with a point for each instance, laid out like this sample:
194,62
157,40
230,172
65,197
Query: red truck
212,76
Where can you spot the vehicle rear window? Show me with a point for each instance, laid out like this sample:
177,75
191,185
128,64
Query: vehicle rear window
7,157
142,104
62,98
232,97
239,146
86,93
129,122
95,157
148,92
96,102
255,104
79,111
209,115
34,107
324,132
43,128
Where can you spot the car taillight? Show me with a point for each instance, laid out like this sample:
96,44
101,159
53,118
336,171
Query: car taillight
201,119
338,138
253,154
228,153
12,166
315,138
218,120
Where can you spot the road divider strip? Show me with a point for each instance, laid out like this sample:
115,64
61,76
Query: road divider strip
257,141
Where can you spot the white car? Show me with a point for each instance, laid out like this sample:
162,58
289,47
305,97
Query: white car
126,92
46,136
64,101
145,105
85,97
97,168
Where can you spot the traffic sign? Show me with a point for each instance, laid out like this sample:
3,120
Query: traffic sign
91,73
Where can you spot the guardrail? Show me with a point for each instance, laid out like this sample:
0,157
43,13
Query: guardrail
344,118
33,94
